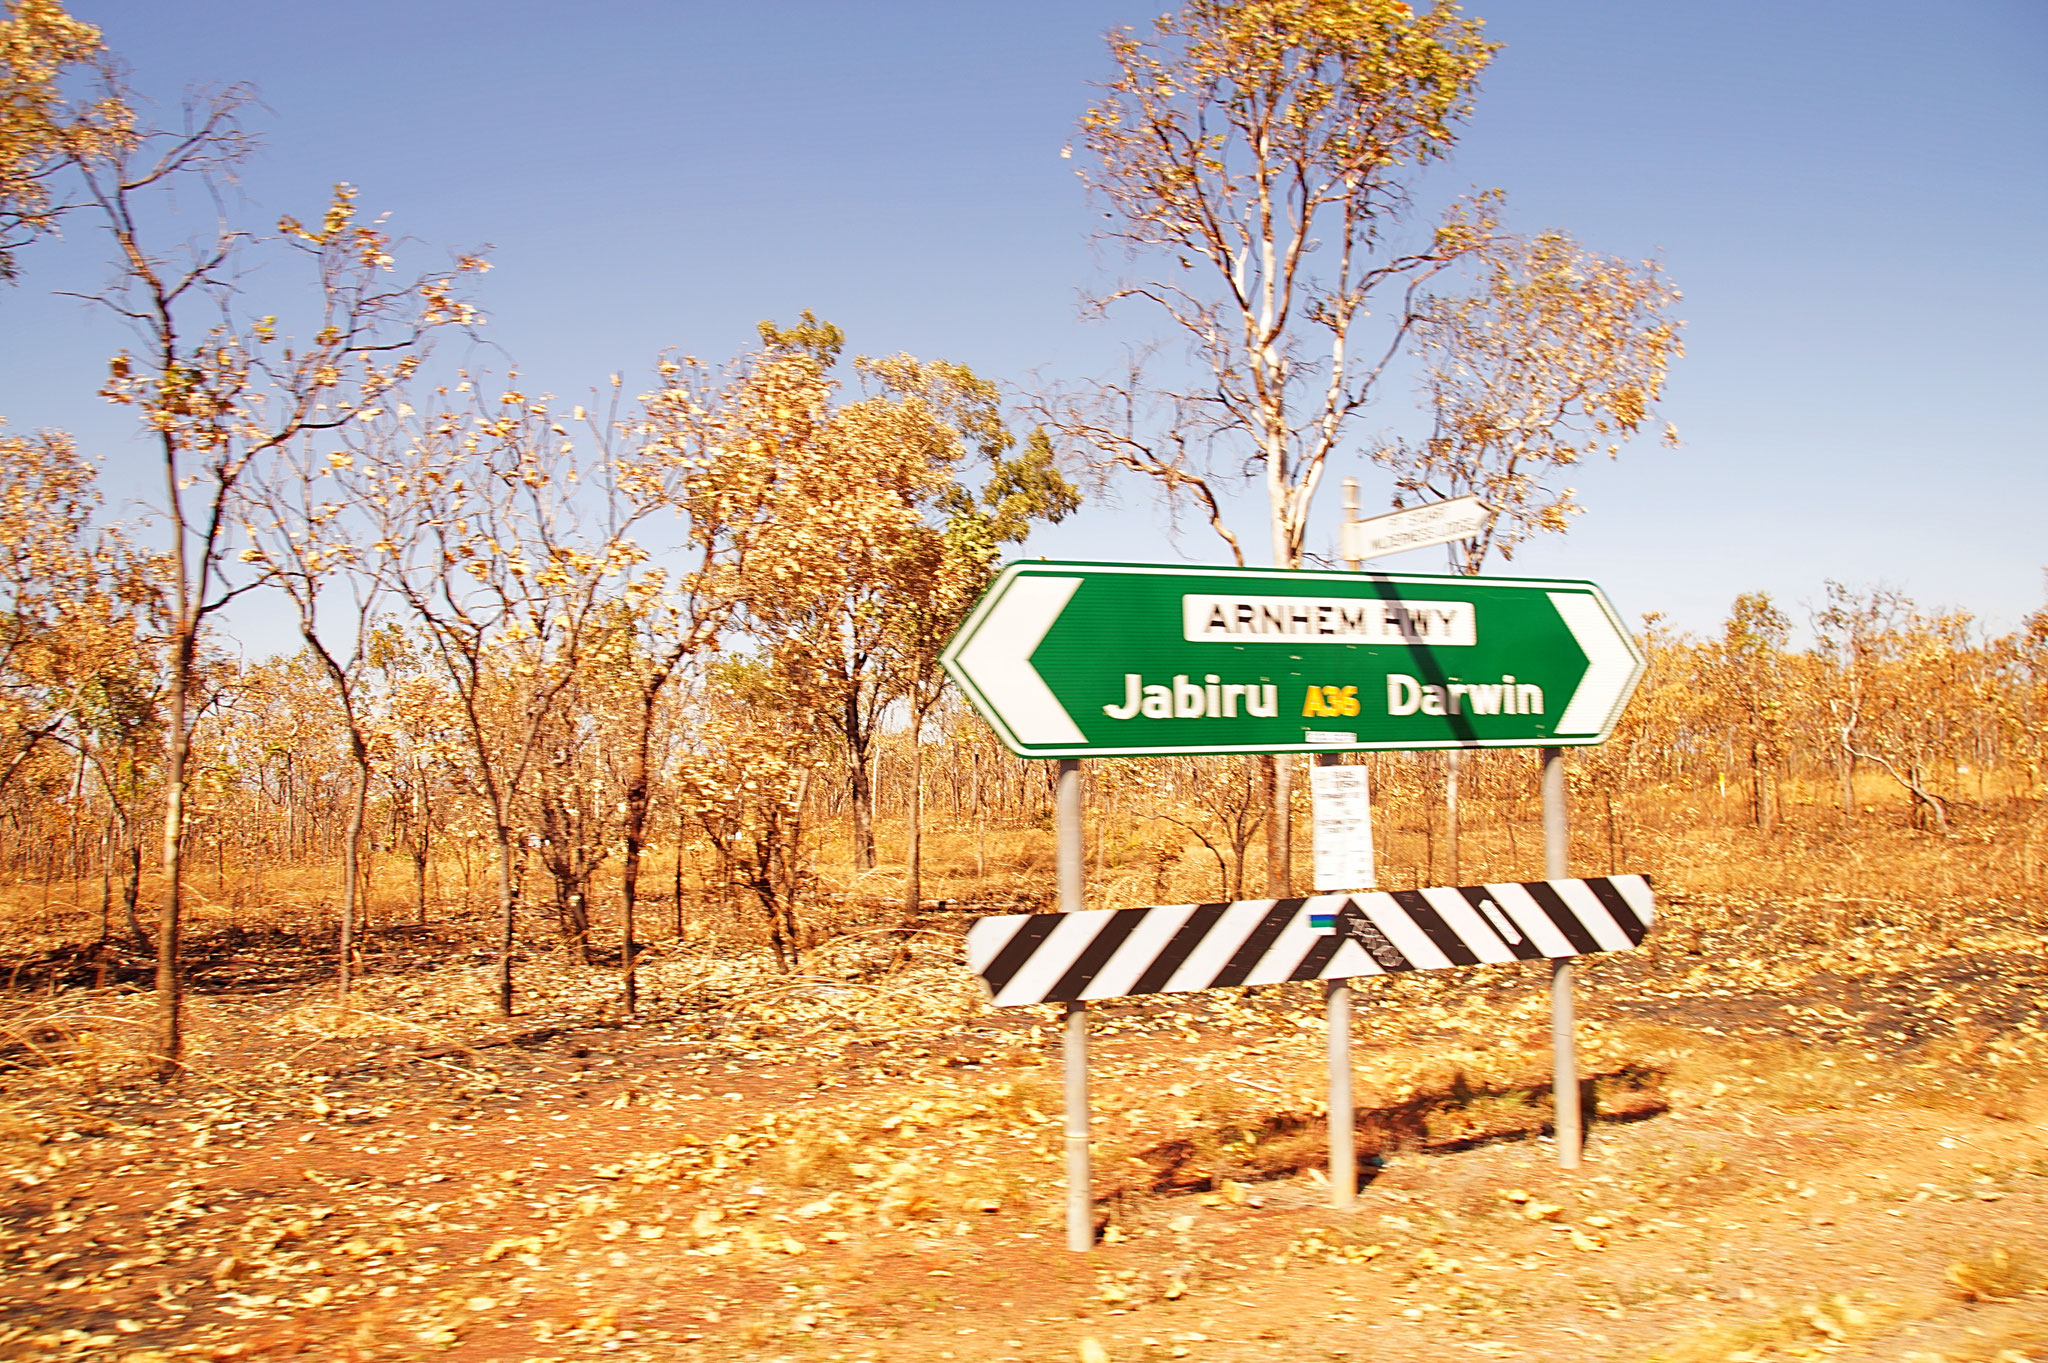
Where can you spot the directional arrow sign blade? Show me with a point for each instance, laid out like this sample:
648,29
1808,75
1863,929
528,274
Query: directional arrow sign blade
1117,659
995,660
1612,664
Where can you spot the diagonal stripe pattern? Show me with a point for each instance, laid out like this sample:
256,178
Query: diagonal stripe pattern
1176,948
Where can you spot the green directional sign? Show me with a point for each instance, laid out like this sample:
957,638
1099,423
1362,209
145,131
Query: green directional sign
1121,659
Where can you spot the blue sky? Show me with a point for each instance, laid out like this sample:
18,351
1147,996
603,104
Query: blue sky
1851,196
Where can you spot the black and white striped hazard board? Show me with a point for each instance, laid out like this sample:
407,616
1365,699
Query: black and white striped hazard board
1108,953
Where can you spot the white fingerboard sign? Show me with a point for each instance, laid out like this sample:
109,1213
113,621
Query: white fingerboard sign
1343,838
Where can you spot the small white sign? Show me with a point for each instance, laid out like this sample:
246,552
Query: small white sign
1343,816
1210,619
1416,527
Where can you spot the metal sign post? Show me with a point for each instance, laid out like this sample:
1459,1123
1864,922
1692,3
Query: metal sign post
1074,1044
1563,1041
1350,515
1343,861
1343,1121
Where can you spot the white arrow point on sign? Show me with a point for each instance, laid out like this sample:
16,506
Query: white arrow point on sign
1610,663
998,660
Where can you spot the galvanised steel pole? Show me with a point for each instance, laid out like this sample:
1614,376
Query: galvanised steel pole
1342,1121
1563,1043
1074,1045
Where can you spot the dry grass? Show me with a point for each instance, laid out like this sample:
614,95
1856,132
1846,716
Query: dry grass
924,1154
1815,880
1997,1274
2015,1344
1807,1327
947,1125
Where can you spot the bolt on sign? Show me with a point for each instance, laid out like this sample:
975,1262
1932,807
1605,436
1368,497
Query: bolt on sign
1094,954
1343,827
1124,659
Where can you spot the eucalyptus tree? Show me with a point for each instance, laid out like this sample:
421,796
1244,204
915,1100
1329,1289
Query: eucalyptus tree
1260,155
907,491
223,391
500,541
1260,161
